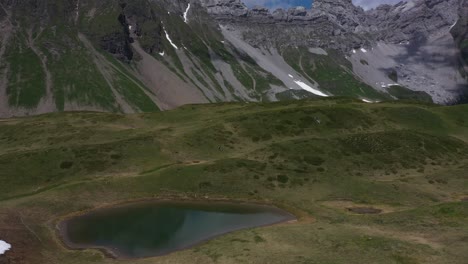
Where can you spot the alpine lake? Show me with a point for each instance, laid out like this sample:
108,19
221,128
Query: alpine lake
148,229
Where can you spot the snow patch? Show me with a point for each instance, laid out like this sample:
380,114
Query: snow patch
453,24
170,40
161,53
388,85
310,89
290,76
4,247
354,51
130,27
186,13
369,101
364,50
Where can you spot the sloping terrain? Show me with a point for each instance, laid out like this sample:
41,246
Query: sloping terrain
328,161
460,34
409,44
145,55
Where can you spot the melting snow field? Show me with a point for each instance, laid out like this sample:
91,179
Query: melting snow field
310,89
186,12
4,247
170,40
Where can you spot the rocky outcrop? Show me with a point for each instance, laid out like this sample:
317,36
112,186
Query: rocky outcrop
118,42
460,34
225,8
414,20
329,24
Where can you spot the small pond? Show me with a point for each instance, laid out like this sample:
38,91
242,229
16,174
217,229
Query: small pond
149,229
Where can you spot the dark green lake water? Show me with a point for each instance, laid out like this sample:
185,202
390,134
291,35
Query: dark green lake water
156,228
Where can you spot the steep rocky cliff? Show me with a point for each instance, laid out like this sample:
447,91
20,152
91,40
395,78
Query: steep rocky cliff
460,34
144,55
408,45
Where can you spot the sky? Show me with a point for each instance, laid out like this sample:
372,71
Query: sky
273,4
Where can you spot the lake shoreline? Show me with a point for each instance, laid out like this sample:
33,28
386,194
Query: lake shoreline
61,223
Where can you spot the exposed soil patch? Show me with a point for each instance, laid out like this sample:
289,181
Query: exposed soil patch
364,210
464,199
25,246
360,208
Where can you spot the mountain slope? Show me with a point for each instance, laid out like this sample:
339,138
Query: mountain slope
460,34
145,55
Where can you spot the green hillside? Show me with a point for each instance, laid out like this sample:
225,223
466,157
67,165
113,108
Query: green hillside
317,159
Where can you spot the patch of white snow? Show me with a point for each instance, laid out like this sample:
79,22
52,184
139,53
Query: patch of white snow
354,51
161,53
369,101
4,247
453,24
169,38
310,89
364,50
186,12
290,76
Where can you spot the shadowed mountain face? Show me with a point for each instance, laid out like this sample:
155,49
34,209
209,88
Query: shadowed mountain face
460,34
145,55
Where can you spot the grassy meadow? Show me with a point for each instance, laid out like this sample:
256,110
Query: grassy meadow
317,159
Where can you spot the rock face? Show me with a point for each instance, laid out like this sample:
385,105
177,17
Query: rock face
225,8
460,34
143,55
416,34
330,24
412,20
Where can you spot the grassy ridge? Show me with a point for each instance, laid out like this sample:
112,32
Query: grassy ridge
315,158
